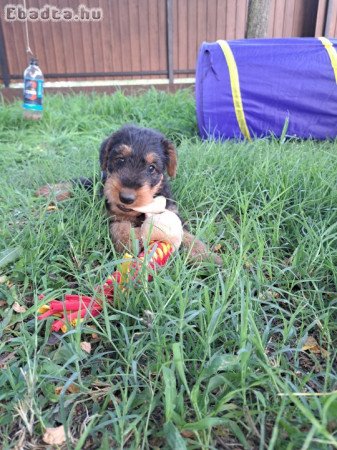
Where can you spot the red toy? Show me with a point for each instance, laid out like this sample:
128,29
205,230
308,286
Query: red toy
75,307
165,230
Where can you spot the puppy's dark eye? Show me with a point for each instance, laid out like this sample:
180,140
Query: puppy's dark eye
152,168
120,160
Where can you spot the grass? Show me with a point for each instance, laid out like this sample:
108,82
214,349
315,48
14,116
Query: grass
202,357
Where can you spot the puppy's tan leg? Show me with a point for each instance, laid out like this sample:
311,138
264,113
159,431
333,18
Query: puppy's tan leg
121,235
198,251
61,191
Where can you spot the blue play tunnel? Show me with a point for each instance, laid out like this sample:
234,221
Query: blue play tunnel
259,87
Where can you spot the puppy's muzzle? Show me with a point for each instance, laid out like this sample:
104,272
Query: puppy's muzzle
127,197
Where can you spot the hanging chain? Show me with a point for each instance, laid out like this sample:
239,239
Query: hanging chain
28,49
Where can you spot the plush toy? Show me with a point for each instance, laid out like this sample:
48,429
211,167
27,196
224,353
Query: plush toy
162,229
161,224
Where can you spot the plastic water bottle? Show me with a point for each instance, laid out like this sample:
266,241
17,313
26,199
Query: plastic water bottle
33,91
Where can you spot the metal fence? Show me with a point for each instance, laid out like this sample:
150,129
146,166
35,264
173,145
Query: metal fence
142,39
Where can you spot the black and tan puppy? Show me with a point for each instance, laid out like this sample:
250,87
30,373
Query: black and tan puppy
134,164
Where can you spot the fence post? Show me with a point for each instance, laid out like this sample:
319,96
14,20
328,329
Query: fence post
169,34
328,19
3,59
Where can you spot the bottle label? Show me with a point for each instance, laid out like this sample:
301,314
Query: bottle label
33,93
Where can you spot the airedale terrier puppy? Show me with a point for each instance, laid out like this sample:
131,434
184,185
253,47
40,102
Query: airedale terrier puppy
134,164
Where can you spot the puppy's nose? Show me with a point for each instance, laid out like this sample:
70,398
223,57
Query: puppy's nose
127,197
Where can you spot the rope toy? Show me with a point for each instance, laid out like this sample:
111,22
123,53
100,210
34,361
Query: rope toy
162,228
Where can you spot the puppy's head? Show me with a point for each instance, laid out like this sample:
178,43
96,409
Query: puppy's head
134,161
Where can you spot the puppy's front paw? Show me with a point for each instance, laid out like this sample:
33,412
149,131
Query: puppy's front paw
204,255
123,234
215,258
198,251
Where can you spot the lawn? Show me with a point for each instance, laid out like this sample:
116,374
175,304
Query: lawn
242,356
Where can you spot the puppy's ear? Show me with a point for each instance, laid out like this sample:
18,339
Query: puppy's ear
171,157
105,149
104,153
